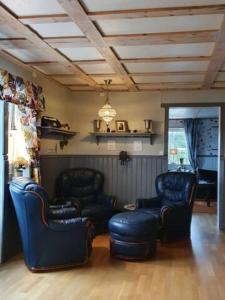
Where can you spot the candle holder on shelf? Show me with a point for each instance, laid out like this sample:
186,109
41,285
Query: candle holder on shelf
148,125
97,125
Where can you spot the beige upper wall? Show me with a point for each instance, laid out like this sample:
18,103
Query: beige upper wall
79,109
133,107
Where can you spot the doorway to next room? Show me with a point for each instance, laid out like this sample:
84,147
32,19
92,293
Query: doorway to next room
193,139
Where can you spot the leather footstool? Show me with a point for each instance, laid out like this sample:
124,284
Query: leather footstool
133,235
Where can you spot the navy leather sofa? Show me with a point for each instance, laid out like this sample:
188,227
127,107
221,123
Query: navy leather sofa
48,244
173,204
84,188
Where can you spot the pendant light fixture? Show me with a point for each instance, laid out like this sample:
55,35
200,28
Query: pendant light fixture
107,113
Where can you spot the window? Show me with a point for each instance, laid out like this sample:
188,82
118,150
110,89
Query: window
16,144
177,146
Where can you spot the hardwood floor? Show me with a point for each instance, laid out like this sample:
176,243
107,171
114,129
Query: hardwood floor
187,270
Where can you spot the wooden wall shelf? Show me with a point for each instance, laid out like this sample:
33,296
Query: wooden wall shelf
58,134
98,135
47,131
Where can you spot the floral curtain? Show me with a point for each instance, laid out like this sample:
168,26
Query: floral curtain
30,100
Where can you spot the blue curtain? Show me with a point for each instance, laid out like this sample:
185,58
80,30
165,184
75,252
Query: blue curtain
191,127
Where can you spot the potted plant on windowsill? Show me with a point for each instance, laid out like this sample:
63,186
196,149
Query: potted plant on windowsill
20,164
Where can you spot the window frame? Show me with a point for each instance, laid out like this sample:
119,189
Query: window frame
170,161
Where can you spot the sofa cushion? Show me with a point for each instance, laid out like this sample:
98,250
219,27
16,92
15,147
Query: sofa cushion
97,211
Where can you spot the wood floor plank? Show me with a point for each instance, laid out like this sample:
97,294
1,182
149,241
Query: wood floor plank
187,270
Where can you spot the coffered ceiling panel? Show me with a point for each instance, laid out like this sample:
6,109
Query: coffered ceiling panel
163,24
167,66
57,29
81,88
168,78
118,88
141,45
30,55
169,86
223,67
69,80
203,49
96,68
53,68
34,7
221,76
81,53
115,80
101,5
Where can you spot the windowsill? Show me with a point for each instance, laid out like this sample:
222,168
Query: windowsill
174,166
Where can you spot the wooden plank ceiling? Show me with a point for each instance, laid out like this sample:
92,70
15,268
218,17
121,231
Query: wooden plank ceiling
140,45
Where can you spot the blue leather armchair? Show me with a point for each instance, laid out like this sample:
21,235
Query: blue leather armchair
48,244
84,187
173,204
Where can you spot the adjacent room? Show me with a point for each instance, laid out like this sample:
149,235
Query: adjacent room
193,139
112,149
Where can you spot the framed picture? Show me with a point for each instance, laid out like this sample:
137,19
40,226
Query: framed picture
121,126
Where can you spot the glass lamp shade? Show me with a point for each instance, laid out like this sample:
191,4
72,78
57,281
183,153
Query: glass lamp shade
107,113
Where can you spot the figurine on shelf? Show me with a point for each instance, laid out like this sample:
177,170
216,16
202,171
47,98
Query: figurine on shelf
65,126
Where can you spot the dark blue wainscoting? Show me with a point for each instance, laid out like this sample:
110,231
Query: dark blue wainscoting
127,183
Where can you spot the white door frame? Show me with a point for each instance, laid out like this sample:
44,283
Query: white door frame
221,151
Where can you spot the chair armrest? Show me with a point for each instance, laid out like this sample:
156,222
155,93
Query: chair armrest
66,202
70,224
106,200
177,212
58,206
55,212
148,202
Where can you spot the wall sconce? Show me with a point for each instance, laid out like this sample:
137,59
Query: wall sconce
148,125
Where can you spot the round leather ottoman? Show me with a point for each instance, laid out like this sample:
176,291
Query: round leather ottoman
133,235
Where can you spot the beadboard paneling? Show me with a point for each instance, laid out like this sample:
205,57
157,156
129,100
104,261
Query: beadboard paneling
136,179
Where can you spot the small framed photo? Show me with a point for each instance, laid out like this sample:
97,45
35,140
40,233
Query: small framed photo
121,126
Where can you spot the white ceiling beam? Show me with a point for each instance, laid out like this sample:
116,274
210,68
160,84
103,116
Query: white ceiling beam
187,37
23,31
217,58
158,12
76,12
